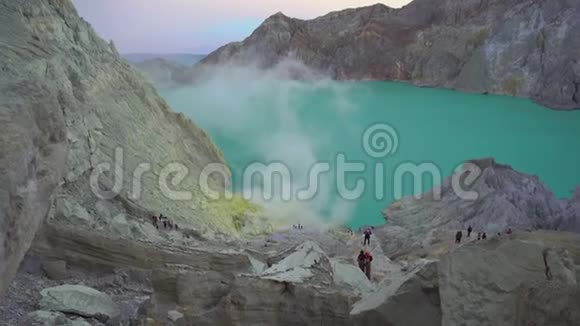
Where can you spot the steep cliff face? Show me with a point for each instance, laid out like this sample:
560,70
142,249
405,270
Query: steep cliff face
70,107
524,48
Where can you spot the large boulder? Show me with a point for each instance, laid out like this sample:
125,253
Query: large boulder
307,261
350,276
410,300
80,300
296,290
487,283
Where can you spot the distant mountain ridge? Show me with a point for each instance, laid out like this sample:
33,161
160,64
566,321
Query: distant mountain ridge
525,48
187,59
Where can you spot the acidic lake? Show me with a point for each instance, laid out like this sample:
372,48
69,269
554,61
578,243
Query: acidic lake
305,125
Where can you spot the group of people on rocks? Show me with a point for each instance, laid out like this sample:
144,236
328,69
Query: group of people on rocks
480,235
365,257
298,226
164,222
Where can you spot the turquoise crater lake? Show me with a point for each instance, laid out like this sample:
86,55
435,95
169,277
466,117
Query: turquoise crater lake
301,123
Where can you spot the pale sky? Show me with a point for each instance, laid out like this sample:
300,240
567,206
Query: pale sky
195,26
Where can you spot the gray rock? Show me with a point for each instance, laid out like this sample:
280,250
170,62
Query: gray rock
350,276
201,290
78,322
46,318
258,267
517,47
412,299
80,300
55,269
299,266
258,301
483,284
51,318
174,316
548,304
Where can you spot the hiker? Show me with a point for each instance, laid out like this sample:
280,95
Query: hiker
509,231
368,260
458,236
469,230
361,260
483,236
176,226
367,239
478,235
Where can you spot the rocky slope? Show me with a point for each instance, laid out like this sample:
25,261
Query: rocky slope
502,198
77,121
503,280
523,48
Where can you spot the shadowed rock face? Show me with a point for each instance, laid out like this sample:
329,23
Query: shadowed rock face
68,104
504,198
524,48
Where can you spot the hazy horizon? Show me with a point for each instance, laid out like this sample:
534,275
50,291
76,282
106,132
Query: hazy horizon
194,26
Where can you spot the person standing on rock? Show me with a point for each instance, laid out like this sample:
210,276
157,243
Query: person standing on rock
469,230
367,239
458,236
